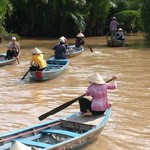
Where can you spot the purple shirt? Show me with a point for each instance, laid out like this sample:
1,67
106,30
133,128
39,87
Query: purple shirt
114,25
99,95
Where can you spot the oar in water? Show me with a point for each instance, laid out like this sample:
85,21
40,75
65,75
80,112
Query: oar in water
17,57
63,106
25,74
17,60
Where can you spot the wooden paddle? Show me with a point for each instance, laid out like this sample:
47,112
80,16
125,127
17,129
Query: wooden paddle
88,45
25,74
63,106
17,60
107,33
17,57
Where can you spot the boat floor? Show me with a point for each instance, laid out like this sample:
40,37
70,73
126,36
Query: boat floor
88,120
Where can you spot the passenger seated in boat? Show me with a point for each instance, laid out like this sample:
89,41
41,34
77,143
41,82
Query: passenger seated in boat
37,61
120,34
79,40
98,91
13,49
60,49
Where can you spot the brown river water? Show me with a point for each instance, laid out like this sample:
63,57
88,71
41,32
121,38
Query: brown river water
21,102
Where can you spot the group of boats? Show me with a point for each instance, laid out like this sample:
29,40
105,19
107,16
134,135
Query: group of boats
65,133
54,66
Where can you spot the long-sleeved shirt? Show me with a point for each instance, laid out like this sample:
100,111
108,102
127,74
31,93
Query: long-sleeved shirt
114,25
99,95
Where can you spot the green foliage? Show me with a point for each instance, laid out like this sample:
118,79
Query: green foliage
66,17
5,8
8,36
128,14
130,20
145,16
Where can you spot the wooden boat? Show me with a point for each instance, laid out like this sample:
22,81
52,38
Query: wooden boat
74,51
53,69
4,61
115,43
65,133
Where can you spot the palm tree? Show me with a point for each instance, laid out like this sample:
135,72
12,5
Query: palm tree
98,13
127,13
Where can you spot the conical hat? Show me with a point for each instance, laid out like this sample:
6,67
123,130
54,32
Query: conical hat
13,38
120,29
62,38
96,78
80,35
36,51
19,146
114,18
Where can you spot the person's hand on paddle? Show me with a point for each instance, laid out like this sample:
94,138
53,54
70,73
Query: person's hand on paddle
114,77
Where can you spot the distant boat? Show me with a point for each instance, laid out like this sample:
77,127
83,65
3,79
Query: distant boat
65,133
115,43
4,61
72,51
53,69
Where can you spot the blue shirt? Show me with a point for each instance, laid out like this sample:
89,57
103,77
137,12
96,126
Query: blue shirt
60,51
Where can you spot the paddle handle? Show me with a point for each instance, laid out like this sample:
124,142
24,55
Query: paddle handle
59,108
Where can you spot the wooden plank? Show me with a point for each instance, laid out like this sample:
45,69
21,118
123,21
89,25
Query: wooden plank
89,120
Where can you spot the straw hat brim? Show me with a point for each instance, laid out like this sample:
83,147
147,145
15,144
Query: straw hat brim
80,35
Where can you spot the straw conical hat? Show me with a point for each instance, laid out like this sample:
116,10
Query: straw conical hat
96,78
36,51
19,146
80,35
13,38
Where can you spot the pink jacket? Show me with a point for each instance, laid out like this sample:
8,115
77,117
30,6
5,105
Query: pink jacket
99,95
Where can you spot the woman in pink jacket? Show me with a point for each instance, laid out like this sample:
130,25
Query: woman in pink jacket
98,91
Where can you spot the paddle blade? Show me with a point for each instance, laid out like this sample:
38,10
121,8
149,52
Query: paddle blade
59,108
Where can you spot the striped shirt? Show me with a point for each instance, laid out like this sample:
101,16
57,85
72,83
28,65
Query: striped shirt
99,95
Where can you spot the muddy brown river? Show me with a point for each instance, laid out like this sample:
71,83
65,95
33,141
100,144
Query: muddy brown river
21,102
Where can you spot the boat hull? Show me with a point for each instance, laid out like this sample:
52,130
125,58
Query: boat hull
4,62
54,68
115,43
69,132
74,51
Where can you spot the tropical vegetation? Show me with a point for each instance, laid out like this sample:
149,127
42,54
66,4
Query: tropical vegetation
53,18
